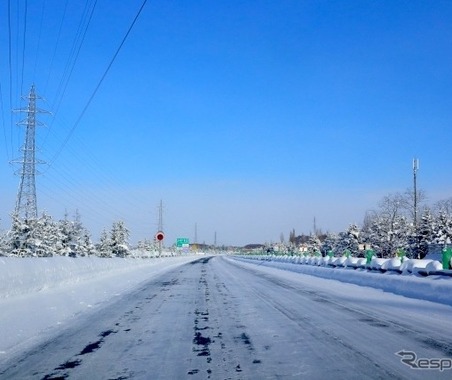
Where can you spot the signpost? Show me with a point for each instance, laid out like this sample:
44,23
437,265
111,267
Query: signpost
183,244
159,236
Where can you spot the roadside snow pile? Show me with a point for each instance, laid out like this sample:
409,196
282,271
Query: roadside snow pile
20,276
390,275
433,266
40,295
430,265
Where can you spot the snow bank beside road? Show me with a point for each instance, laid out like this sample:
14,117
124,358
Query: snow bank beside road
432,288
38,295
27,275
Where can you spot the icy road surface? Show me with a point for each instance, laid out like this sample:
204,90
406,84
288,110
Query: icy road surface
216,318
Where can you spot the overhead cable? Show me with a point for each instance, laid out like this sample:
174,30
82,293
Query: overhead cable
71,131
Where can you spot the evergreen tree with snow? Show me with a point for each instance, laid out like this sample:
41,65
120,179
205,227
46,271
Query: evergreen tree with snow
386,236
104,246
74,238
348,241
329,243
67,237
3,244
442,233
85,244
424,235
352,239
119,239
18,237
32,237
46,236
314,244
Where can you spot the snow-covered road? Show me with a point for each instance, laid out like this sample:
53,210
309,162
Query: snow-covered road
218,318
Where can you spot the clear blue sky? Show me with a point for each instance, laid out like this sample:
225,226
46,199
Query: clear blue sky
248,118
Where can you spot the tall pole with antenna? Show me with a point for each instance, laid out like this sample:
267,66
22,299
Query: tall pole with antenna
196,233
415,169
26,204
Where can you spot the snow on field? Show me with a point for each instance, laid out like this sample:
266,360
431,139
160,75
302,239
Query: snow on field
38,295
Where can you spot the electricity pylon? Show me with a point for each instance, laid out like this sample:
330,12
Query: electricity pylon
26,205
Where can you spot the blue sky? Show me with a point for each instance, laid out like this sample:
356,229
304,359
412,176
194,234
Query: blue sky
246,118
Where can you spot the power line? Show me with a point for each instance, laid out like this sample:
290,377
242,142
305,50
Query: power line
74,54
71,131
23,46
10,66
56,46
72,60
3,123
39,40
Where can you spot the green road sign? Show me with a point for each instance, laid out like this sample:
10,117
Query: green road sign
182,242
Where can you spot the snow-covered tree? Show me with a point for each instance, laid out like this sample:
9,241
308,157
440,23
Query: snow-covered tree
67,237
3,243
46,235
32,237
146,245
104,246
292,237
119,239
442,233
348,241
329,244
74,238
85,246
420,241
387,229
406,201
444,206
386,236
314,243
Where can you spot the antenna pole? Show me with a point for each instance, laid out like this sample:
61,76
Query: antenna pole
415,169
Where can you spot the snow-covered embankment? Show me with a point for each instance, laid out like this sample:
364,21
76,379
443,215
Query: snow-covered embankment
380,274
38,295
20,276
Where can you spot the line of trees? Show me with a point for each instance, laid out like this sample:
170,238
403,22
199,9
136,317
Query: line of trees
45,237
388,230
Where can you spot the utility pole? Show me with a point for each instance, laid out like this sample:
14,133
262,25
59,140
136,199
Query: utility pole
415,169
159,236
160,226
26,204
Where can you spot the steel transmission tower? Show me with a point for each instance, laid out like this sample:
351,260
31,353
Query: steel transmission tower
26,206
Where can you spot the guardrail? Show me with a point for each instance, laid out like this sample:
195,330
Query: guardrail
393,265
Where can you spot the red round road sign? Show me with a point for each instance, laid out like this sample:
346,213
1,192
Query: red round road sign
159,236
